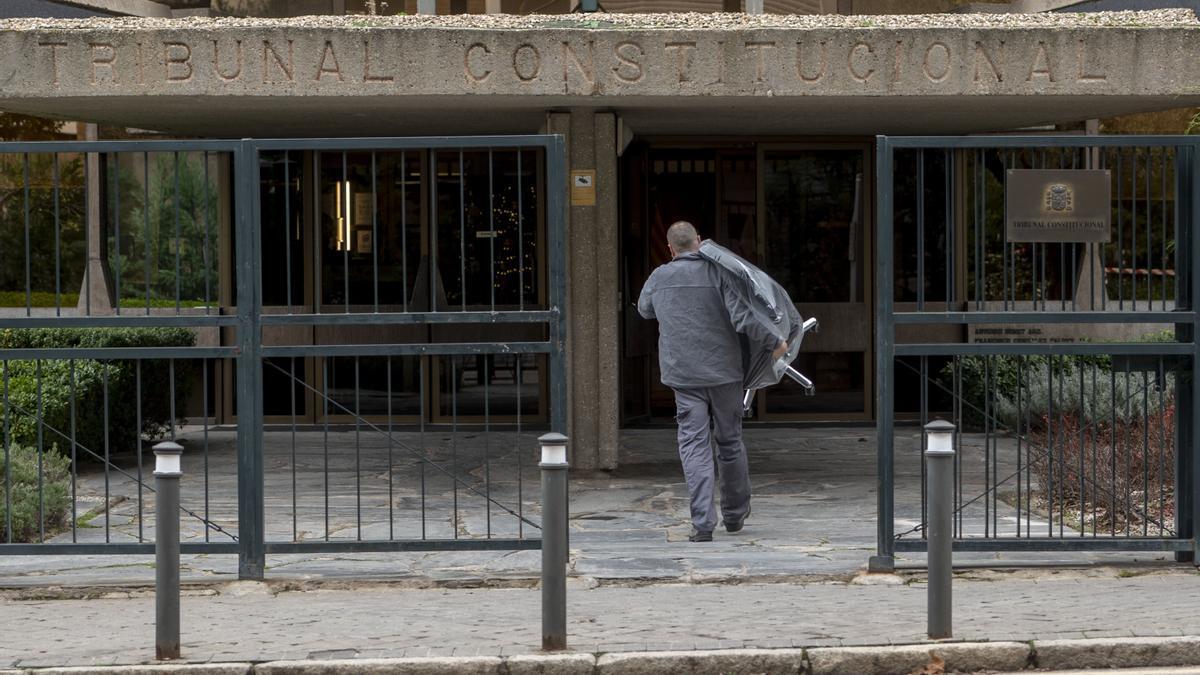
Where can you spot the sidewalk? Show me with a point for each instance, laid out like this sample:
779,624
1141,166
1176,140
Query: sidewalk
254,622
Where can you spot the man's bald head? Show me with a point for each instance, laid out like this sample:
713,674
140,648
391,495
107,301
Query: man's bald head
682,237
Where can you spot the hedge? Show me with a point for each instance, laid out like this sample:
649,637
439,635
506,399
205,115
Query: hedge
89,379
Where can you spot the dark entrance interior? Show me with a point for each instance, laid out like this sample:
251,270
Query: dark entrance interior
801,211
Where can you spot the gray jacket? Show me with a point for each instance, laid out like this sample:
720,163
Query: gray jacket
700,317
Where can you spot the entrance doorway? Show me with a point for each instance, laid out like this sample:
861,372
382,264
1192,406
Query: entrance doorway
801,211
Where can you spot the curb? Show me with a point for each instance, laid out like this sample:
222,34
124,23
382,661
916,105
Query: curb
1101,653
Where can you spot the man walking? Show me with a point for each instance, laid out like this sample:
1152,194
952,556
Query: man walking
701,321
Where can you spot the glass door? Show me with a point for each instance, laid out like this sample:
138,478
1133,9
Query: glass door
814,239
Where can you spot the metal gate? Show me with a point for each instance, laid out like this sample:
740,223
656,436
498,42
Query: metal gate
324,323
1067,366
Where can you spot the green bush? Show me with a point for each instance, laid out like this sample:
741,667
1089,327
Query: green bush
34,511
89,379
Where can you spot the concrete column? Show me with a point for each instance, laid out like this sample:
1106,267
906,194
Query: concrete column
592,291
96,294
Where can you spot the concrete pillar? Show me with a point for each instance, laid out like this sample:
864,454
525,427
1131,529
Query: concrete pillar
592,291
96,294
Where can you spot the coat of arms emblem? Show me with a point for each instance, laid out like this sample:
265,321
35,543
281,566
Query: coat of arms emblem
1060,197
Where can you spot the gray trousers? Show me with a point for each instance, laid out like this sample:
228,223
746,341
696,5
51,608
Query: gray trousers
695,408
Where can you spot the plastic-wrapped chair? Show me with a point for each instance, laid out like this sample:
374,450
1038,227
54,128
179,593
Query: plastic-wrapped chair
769,304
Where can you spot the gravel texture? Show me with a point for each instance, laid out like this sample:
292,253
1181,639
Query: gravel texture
692,20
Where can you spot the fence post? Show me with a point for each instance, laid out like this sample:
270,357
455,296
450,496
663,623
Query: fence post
554,541
167,470
939,456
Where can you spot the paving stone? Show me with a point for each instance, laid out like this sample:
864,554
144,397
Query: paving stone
994,656
719,662
550,664
1118,652
480,665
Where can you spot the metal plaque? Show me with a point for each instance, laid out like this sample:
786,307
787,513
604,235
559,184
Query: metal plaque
1058,205
583,187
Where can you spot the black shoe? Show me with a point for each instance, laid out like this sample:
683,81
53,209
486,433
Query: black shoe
737,526
697,535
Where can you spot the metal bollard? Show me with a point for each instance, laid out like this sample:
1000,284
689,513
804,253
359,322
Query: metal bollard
939,454
554,541
167,470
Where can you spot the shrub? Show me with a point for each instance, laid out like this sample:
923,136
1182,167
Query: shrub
34,511
89,377
1119,477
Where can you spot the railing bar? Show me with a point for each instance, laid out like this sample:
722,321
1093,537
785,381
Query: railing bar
87,237
292,396
391,510
348,225
1149,229
116,181
421,412
325,417
1128,454
375,230
491,230
454,420
404,230
1103,255
1165,217
1133,225
987,442
1020,417
171,373
287,236
137,439
74,459
206,257
28,268
318,252
41,469
488,360
1146,429
1082,447
924,360
520,475
1112,492
958,463
462,234
176,210
107,462
1120,231
1095,425
921,231
57,241
357,452
1050,444
1028,458
1006,251
434,226
948,225
980,272
1162,440
1074,255
520,241
204,422
146,225
1062,459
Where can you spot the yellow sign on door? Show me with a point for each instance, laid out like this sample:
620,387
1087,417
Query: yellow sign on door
583,187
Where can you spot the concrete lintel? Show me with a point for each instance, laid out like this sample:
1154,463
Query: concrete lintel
200,58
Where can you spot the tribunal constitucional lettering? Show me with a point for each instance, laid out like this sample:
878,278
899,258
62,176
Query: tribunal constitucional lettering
766,62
